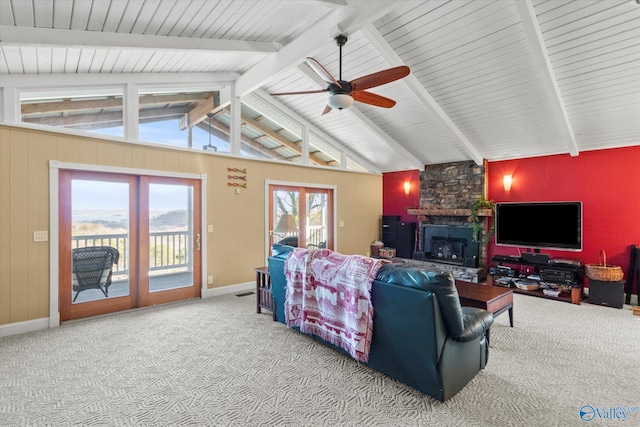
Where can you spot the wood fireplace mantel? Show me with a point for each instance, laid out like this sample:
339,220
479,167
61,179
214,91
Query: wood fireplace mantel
447,212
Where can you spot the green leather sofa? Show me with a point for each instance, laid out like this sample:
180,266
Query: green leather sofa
422,336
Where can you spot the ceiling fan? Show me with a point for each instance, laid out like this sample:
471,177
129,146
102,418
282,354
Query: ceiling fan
343,93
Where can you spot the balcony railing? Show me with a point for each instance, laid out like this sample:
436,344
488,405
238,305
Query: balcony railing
315,237
169,251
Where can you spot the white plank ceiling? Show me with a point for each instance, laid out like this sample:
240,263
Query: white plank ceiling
489,79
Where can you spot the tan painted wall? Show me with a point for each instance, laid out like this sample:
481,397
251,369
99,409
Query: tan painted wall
238,219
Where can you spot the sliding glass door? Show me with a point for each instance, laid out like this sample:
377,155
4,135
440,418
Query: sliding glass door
170,224
126,241
301,216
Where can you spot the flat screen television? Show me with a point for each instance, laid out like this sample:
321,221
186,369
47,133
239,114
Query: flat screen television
540,225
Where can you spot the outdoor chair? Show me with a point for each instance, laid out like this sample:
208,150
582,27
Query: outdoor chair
92,268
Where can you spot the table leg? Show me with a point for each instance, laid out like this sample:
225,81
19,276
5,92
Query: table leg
511,316
576,294
258,310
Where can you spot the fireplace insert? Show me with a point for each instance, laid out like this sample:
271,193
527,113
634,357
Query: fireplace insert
450,244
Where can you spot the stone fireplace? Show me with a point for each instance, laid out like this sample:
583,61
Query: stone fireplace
447,192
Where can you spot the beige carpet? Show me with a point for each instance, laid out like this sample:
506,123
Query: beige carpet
216,362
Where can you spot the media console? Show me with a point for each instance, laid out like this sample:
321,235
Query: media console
564,276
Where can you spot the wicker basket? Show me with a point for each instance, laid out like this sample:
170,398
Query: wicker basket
602,271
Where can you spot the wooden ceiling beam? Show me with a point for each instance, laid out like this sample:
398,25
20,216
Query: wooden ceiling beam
67,104
76,120
277,137
271,101
224,130
539,49
345,20
389,54
33,36
199,112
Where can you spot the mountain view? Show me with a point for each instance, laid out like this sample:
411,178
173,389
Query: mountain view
96,222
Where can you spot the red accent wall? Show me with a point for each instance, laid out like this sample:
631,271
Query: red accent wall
394,201
607,182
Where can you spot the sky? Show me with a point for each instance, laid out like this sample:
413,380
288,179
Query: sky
114,196
168,132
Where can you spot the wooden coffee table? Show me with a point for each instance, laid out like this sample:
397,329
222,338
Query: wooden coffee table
495,299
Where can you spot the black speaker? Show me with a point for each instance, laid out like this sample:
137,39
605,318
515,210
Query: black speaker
535,257
399,235
610,294
389,230
405,239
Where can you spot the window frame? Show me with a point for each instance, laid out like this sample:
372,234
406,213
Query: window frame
13,86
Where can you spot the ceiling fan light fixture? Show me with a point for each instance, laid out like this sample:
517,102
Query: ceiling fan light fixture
340,101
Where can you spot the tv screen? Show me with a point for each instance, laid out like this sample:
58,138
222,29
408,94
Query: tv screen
540,225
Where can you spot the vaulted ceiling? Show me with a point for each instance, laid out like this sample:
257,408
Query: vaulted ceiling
489,79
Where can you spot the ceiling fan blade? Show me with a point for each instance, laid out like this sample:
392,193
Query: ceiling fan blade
326,110
322,72
304,92
380,78
372,99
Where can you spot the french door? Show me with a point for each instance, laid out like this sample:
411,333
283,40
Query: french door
301,216
153,223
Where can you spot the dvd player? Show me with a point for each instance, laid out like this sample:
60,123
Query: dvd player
501,270
555,275
508,258
558,262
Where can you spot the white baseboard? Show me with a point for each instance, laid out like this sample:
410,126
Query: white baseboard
231,289
23,327
44,323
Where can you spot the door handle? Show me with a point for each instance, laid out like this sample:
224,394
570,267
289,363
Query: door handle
198,241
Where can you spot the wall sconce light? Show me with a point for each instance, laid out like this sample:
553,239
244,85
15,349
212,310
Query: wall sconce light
407,187
507,180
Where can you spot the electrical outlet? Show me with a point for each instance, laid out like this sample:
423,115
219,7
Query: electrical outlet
210,228
40,236
341,224
210,280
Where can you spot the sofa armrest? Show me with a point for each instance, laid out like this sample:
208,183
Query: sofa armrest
476,323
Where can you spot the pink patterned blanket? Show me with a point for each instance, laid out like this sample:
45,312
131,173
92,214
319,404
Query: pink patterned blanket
329,295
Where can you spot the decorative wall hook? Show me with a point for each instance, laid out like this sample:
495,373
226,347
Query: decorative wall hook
244,178
237,184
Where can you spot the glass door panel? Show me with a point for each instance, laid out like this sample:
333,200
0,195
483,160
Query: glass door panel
170,240
152,223
317,220
170,236
301,216
100,218
97,224
285,216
